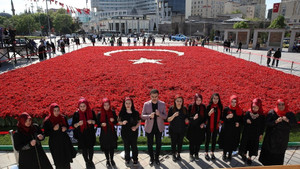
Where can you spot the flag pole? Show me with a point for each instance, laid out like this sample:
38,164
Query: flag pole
49,30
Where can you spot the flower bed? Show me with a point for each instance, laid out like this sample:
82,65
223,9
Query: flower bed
91,74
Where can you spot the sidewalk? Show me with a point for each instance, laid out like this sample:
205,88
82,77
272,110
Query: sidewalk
292,157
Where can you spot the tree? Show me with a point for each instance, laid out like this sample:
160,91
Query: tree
62,23
236,12
26,24
2,20
240,25
278,22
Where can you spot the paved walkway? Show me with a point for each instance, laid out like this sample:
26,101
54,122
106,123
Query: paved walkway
292,157
255,56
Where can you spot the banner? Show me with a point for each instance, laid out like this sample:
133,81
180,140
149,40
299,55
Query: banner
276,7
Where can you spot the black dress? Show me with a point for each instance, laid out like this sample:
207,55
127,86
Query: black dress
130,137
30,157
108,140
42,52
251,133
60,145
87,138
276,139
194,133
228,134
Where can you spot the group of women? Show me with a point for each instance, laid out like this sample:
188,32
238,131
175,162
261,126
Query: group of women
204,124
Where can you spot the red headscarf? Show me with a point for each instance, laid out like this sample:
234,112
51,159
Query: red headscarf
86,115
237,108
53,119
106,115
257,102
286,108
201,105
21,124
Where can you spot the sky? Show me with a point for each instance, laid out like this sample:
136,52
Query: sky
21,5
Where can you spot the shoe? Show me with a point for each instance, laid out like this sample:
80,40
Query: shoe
229,157
249,161
196,156
113,163
157,162
192,158
127,162
213,157
174,158
224,158
178,157
207,157
151,162
244,158
135,163
107,164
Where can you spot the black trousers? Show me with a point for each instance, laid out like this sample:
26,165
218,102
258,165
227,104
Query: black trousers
277,60
213,137
268,60
150,137
130,142
194,148
176,141
109,154
66,166
88,154
229,153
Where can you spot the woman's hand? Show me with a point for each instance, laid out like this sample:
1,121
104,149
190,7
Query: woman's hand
103,124
56,127
33,142
40,137
195,117
211,112
63,129
229,116
112,119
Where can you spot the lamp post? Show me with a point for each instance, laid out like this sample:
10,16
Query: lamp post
49,30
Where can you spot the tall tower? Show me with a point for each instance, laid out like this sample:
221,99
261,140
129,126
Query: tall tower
12,7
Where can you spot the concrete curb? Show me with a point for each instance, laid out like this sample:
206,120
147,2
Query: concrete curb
141,148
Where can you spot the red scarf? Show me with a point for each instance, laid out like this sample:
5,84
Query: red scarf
286,108
86,115
257,102
237,108
53,119
106,115
21,124
200,106
212,118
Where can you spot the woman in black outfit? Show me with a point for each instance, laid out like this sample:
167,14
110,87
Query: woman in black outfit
253,131
27,141
214,114
129,118
84,120
279,122
61,148
107,119
229,131
196,128
177,116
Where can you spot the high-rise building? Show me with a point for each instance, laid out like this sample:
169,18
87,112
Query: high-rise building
290,9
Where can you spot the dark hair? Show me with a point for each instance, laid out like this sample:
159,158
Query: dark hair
154,91
123,109
211,100
182,106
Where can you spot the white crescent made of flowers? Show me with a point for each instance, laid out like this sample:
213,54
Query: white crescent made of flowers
134,50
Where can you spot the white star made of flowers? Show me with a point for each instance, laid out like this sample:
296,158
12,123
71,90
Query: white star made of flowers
145,60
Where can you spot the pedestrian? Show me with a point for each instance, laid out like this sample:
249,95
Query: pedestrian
61,148
254,121
42,51
129,118
83,122
269,55
154,113
229,131
196,128
128,41
27,141
177,117
276,56
107,119
240,47
214,114
153,41
279,122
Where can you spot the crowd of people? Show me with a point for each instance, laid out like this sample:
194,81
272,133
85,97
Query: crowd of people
237,130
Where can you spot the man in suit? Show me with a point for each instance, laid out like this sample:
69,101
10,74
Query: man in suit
154,114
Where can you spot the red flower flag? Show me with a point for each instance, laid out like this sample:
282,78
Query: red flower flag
86,10
116,72
68,9
55,2
78,10
61,4
276,7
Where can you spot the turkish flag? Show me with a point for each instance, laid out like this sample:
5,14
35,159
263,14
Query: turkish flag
117,72
276,7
